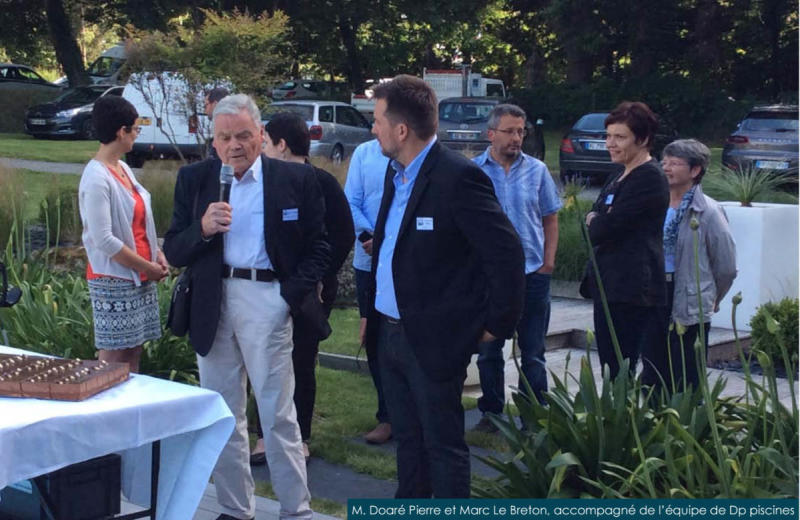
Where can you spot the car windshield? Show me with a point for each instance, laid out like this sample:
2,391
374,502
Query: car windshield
105,66
305,111
80,95
465,112
289,85
771,122
591,123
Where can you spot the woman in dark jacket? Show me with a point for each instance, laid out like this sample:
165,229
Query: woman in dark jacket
625,228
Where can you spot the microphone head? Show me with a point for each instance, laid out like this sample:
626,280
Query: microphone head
226,174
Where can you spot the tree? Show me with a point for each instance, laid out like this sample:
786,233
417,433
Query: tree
66,46
172,70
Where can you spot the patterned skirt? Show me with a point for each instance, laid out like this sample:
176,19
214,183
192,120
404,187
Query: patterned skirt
124,315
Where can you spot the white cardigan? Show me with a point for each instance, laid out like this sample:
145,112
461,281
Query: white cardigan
107,215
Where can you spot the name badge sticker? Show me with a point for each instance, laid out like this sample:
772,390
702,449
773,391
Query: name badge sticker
609,199
424,223
290,214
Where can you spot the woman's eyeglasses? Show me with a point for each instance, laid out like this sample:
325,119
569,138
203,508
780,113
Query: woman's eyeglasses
133,128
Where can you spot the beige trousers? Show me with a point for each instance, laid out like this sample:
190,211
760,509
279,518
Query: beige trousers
254,339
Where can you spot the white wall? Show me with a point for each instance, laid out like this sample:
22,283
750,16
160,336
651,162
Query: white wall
766,238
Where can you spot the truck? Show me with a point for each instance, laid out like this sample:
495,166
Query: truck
449,83
446,83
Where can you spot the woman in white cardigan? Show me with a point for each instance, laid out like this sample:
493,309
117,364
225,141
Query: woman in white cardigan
119,235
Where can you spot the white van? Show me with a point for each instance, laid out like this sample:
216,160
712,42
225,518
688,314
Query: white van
106,69
171,118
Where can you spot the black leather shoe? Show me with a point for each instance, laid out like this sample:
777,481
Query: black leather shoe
223,516
257,459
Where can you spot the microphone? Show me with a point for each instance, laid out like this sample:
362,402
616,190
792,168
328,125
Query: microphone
225,181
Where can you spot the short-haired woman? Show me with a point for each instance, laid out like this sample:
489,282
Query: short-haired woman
685,162
625,229
120,240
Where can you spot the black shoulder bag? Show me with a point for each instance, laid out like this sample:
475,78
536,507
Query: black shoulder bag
180,304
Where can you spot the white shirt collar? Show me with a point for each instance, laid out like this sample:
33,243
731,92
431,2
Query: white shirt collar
255,172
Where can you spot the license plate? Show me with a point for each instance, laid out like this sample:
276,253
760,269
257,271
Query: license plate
144,121
464,136
772,165
595,145
37,121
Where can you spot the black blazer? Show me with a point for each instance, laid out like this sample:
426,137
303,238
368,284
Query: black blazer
297,249
341,232
464,276
627,236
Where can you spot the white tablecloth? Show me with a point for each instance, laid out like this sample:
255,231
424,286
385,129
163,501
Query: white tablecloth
39,436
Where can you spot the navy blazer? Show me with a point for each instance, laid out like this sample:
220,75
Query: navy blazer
465,275
297,249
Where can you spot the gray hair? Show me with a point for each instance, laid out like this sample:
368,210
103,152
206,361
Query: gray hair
504,109
692,151
234,104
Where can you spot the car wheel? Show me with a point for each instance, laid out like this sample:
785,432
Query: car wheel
337,154
87,129
134,160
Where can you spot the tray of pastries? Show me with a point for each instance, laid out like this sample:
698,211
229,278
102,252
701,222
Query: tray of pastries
57,378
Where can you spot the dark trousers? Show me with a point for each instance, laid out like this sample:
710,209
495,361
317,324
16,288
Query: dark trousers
304,360
531,334
636,328
362,285
427,421
671,356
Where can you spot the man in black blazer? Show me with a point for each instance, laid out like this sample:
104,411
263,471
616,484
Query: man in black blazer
254,261
448,272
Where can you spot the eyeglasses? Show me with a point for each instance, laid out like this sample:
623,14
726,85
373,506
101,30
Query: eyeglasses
520,132
673,163
133,128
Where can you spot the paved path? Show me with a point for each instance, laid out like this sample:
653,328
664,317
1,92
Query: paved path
47,166
42,166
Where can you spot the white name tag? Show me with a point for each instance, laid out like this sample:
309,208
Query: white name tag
424,223
609,199
290,214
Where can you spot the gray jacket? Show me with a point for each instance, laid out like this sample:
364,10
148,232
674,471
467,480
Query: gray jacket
716,258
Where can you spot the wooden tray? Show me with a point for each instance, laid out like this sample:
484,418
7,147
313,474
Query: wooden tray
56,378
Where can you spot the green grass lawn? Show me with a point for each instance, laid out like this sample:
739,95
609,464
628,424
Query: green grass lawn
21,146
344,338
36,185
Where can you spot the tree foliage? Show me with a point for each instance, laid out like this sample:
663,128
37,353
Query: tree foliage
173,69
740,49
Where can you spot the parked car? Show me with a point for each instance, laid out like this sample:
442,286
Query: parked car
22,77
767,138
464,126
336,128
583,152
68,114
310,89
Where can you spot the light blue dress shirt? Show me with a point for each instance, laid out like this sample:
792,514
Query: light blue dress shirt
364,189
526,194
385,296
244,243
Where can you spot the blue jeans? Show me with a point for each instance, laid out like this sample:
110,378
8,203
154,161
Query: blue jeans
531,333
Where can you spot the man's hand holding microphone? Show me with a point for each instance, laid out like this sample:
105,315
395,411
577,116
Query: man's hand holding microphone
217,218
